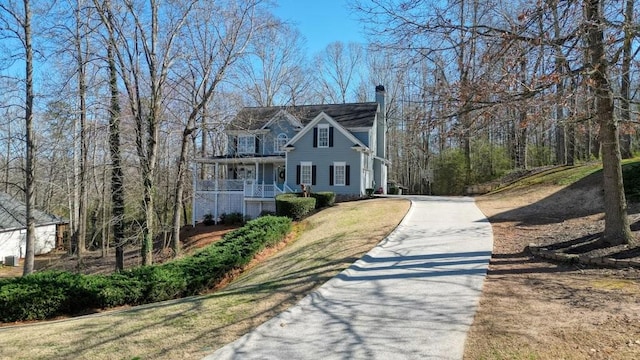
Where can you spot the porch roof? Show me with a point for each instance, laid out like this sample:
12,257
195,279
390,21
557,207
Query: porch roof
249,159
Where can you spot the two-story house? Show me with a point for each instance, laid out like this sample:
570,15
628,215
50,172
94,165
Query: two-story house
272,150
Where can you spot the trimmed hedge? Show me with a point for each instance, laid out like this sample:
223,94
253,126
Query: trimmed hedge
47,294
324,199
294,206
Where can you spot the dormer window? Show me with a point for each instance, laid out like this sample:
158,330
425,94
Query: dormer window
246,144
323,136
279,143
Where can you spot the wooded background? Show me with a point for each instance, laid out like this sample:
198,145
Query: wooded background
104,102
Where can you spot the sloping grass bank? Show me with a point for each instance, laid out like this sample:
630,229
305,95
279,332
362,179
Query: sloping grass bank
47,294
194,327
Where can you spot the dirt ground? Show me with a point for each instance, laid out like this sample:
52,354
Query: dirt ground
532,308
192,238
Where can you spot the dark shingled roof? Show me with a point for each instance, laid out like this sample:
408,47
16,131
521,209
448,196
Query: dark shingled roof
13,214
347,115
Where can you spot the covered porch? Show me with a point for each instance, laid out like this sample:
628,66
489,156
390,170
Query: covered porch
246,185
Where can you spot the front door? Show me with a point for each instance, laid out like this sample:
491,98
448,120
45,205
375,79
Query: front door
279,174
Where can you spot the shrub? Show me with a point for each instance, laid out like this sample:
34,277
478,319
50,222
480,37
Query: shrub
324,199
47,294
449,173
267,213
369,191
631,180
293,206
234,218
208,219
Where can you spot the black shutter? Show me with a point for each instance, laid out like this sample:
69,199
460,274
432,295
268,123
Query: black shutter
315,137
347,175
331,136
257,149
297,174
331,175
234,146
313,175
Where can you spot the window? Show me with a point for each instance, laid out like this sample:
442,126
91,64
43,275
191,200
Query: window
306,173
246,144
339,173
245,172
323,136
279,143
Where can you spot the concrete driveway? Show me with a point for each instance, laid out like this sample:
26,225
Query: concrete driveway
412,297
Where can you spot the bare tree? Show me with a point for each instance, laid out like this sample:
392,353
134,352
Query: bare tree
20,18
273,73
625,79
338,68
617,230
207,69
143,32
117,177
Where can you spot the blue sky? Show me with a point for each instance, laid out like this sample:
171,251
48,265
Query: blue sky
321,22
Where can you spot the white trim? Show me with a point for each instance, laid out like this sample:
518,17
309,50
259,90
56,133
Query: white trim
323,127
310,165
361,150
385,161
242,160
251,145
343,165
276,142
335,124
358,129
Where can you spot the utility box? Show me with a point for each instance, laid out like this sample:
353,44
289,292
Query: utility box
11,261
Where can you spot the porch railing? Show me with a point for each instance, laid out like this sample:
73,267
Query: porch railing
220,185
259,190
249,188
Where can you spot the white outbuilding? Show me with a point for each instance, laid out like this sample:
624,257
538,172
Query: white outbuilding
13,229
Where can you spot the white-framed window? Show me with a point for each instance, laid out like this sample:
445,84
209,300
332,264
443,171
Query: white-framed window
323,135
279,142
306,172
339,173
246,144
246,172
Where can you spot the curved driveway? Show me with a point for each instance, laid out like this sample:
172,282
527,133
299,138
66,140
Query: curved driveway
411,297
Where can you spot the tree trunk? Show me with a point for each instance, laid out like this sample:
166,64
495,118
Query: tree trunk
625,98
571,144
30,144
182,165
117,178
80,230
617,230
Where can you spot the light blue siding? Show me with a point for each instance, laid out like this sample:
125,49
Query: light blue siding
323,158
278,126
363,136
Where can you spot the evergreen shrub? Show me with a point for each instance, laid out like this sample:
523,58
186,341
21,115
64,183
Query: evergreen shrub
294,206
47,294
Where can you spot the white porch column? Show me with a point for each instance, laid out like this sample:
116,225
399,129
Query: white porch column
215,177
195,193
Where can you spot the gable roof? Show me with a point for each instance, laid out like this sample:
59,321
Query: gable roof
324,116
355,115
283,114
13,214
